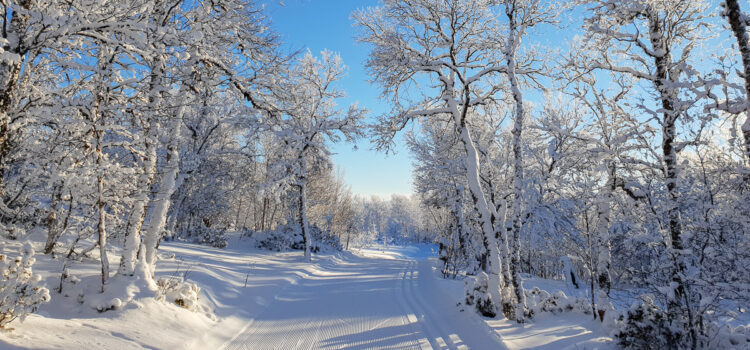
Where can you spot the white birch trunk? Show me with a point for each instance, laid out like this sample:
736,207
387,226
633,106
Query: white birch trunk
129,256
177,204
480,201
162,200
459,233
101,226
487,213
98,135
515,258
133,237
502,234
664,83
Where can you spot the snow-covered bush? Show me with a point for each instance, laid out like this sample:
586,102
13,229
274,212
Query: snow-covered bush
179,291
542,301
20,292
646,326
119,290
727,337
322,240
210,236
13,233
476,289
278,240
289,237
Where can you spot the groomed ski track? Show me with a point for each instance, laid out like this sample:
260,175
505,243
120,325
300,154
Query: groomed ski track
366,302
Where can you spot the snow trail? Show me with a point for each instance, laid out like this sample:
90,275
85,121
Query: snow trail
366,303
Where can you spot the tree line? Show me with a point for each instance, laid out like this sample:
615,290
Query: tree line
123,123
126,123
633,164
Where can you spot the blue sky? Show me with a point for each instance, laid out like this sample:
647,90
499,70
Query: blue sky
326,24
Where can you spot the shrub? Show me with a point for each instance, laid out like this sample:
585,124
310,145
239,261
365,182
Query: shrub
179,291
558,302
727,337
646,326
278,240
289,237
476,289
20,292
210,236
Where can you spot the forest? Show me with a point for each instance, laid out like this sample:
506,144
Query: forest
619,162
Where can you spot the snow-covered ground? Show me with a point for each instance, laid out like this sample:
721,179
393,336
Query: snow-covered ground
376,298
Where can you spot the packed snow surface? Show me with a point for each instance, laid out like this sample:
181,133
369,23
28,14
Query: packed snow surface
375,298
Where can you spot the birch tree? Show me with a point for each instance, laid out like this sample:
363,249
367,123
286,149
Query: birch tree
523,16
616,138
230,39
152,46
312,118
439,179
738,22
654,41
30,30
451,47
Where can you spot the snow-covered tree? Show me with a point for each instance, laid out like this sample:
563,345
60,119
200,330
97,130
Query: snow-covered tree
523,16
452,48
738,22
20,292
311,117
439,179
615,137
653,42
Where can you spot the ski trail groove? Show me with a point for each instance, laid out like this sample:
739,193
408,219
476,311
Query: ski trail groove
371,303
435,335
428,339
428,312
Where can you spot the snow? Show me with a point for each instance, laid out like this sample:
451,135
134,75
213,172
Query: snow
381,297
189,120
553,332
413,251
545,331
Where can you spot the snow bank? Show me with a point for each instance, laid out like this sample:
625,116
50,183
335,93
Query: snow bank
201,299
558,331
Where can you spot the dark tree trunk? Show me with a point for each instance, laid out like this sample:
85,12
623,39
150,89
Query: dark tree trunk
734,17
